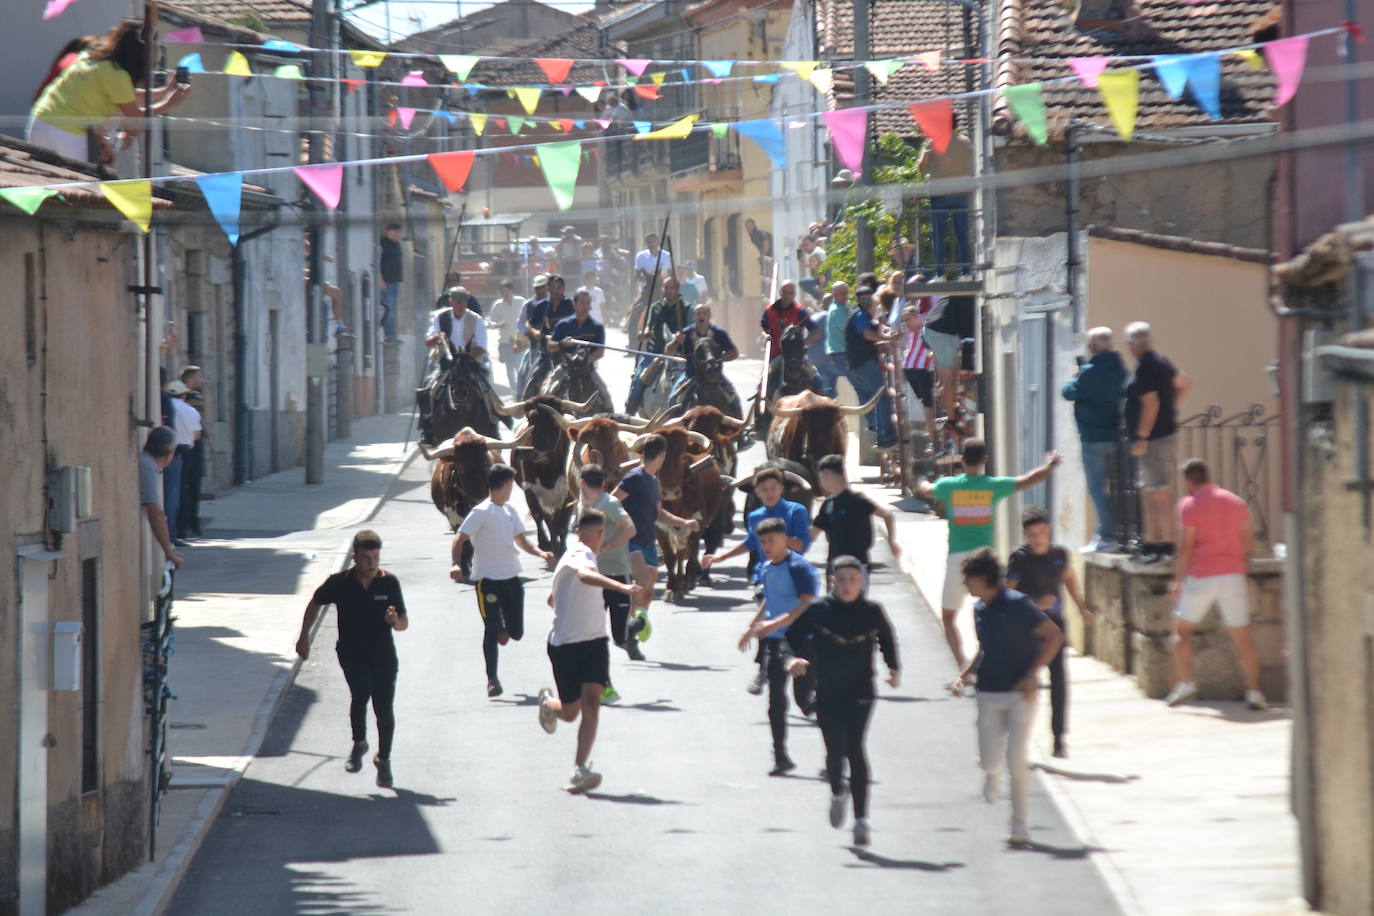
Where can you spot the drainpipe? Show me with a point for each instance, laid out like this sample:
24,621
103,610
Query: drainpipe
243,428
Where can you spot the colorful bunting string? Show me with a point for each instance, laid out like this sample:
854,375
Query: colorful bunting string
132,198
1120,90
224,196
561,163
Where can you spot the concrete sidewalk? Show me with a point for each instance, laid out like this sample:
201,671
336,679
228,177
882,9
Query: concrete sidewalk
238,608
1188,807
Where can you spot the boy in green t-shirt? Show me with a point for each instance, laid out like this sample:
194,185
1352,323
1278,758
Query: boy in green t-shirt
971,500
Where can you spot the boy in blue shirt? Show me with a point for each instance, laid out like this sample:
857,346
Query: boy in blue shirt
789,584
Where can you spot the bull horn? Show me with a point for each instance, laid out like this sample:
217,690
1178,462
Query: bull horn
846,411
700,440
785,412
563,421
725,429
577,452
573,407
514,443
696,467
796,480
629,465
514,410
639,441
727,481
444,452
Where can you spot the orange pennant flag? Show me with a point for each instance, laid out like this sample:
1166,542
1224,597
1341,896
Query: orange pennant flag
930,60
452,168
936,120
555,68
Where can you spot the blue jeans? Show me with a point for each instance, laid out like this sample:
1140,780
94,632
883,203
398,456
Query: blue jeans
831,368
636,385
387,299
868,380
812,285
1097,469
949,212
171,495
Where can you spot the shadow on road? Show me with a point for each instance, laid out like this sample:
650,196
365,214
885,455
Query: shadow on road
682,666
873,858
1110,778
1058,852
633,798
287,722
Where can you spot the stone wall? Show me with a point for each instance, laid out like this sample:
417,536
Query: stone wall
1135,622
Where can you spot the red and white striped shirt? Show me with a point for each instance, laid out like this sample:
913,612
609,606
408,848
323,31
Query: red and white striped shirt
918,355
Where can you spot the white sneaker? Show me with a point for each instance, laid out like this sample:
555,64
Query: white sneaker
1255,700
838,804
991,789
582,780
547,720
1100,544
1183,692
861,832
756,685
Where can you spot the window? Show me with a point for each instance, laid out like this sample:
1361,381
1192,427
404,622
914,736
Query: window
90,676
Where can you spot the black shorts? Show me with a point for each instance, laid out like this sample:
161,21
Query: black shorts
501,602
922,382
618,605
579,663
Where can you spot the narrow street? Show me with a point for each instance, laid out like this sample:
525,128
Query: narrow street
687,819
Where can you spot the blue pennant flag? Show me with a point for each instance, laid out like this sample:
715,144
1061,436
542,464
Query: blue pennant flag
768,136
1172,74
1204,80
276,44
719,68
579,124
767,78
224,197
643,127
192,63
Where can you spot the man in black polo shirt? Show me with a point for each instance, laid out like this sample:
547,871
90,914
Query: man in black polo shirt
544,315
1015,641
1152,396
846,517
370,606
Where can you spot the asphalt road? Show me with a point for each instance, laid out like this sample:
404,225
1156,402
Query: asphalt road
687,820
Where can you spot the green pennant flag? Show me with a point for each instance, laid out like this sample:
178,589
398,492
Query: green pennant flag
1028,104
27,199
514,123
561,164
720,130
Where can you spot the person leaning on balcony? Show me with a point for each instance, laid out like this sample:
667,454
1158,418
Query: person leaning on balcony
158,452
1214,542
1097,393
949,212
1152,397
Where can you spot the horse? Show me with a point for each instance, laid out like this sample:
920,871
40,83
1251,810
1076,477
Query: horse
789,372
708,386
575,378
460,396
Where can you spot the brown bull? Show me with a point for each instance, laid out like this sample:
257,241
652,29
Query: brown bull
598,440
541,466
808,426
459,480
723,431
691,484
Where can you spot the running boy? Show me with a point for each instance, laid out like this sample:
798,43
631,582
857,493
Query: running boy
1038,569
789,585
612,560
846,517
495,529
577,645
368,600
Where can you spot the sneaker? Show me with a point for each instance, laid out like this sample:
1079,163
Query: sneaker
383,772
494,688
838,805
1149,553
1255,700
355,757
991,789
1182,693
547,719
502,638
887,445
582,780
782,766
632,649
756,685
1061,750
861,832
640,628
1100,544
610,694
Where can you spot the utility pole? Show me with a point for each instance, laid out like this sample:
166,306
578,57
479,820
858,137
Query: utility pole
863,95
317,352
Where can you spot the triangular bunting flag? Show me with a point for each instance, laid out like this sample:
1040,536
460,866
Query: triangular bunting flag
1088,69
459,64
882,70
603,122
478,120
499,122
767,78
566,124
352,84
936,120
224,196
27,199
1028,104
648,92
1172,75
931,60
406,115
192,63
237,65
132,198
289,72
802,68
277,44
566,90
528,96
719,68
657,78
579,124
325,180
768,137
590,93
555,68
636,65
1287,57
191,36
1204,81
452,168
823,80
1251,57
675,131
414,78
367,59
55,8
720,130
643,127
1120,91
515,124
848,135
561,163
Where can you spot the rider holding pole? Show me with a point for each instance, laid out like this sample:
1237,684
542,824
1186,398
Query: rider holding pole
452,329
544,314
667,317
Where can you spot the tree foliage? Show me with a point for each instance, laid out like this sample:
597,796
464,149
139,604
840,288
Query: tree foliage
896,161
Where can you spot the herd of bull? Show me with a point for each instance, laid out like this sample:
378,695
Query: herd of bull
555,438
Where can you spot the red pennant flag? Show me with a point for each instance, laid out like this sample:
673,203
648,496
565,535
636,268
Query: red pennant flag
351,84
500,122
566,124
391,118
647,92
555,68
452,168
936,120
598,82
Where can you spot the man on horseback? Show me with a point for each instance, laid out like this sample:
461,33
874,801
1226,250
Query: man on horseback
453,330
544,314
667,317
564,342
684,343
788,370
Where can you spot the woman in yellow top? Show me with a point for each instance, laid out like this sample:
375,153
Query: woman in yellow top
96,88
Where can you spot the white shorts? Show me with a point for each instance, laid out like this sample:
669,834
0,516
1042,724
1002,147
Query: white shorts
954,594
1229,593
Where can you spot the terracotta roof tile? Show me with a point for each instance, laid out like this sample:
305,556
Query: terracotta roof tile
23,165
270,12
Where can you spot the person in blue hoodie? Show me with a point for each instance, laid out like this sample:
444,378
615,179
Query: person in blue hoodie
1097,393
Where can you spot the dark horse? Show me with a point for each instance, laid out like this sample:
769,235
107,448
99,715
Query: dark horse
575,378
708,386
460,396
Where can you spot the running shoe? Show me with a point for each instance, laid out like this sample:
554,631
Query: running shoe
1019,839
756,685
861,833
641,629
838,805
502,638
355,757
494,688
547,719
610,694
991,789
782,766
633,650
383,772
1255,700
1182,693
582,780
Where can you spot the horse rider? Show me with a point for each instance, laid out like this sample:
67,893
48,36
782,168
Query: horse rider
667,317
544,314
787,311
540,285
684,344
452,329
565,339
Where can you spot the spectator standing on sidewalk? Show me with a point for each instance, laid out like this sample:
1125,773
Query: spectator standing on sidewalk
187,425
864,334
971,500
1097,393
1040,570
193,463
158,452
504,313
835,366
1015,640
1214,543
1151,421
389,279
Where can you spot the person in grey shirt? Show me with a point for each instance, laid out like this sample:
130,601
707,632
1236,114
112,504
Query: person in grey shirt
158,452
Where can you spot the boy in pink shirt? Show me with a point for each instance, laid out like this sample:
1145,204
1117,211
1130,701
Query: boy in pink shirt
1214,540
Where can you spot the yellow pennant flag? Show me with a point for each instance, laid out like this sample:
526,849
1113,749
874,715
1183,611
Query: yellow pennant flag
367,59
1120,93
1251,58
529,97
478,122
237,65
802,68
823,80
132,198
657,78
675,131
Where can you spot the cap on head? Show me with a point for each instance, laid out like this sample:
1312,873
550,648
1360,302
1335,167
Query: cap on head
176,388
541,280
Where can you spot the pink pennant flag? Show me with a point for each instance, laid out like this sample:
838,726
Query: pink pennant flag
848,134
565,89
713,80
325,180
191,36
1287,57
406,115
414,78
930,60
55,8
1088,69
636,65
603,122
